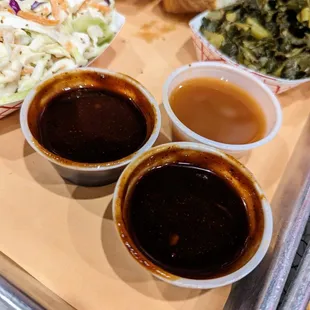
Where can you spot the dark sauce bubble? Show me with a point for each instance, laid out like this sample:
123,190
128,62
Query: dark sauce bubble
90,125
187,220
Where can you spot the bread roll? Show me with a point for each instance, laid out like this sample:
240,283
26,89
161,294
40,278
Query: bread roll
188,6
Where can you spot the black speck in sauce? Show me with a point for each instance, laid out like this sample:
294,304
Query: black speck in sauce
90,125
187,220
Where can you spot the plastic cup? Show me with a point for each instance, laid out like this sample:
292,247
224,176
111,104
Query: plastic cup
260,92
88,174
226,166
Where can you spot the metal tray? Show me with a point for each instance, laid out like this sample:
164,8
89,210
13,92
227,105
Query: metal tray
20,291
296,293
262,289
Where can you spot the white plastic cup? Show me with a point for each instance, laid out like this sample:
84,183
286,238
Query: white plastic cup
259,91
94,174
233,171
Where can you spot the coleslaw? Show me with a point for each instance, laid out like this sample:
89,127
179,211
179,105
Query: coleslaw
40,38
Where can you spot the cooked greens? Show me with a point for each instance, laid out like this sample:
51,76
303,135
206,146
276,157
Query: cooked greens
269,36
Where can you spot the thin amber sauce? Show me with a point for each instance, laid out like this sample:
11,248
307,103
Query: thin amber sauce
218,110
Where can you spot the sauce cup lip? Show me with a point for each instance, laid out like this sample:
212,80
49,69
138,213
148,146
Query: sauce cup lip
89,166
177,280
220,145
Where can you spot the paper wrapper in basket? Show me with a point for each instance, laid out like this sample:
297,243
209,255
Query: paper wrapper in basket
9,108
13,106
207,52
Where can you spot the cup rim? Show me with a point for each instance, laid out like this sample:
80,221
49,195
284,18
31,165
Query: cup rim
224,146
198,283
90,167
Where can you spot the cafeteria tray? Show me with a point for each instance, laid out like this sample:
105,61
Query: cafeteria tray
62,237
296,293
20,291
261,289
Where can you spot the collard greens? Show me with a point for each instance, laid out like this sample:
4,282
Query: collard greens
272,37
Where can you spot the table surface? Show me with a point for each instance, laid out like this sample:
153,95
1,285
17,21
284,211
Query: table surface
63,235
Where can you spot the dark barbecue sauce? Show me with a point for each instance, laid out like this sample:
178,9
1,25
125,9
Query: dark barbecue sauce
187,220
90,125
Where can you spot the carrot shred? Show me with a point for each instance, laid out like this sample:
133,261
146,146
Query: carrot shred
84,5
68,46
102,8
55,9
27,70
63,4
38,19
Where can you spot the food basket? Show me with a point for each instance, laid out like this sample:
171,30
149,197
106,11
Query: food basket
13,106
207,52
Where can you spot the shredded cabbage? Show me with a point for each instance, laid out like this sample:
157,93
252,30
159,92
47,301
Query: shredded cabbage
13,97
31,51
